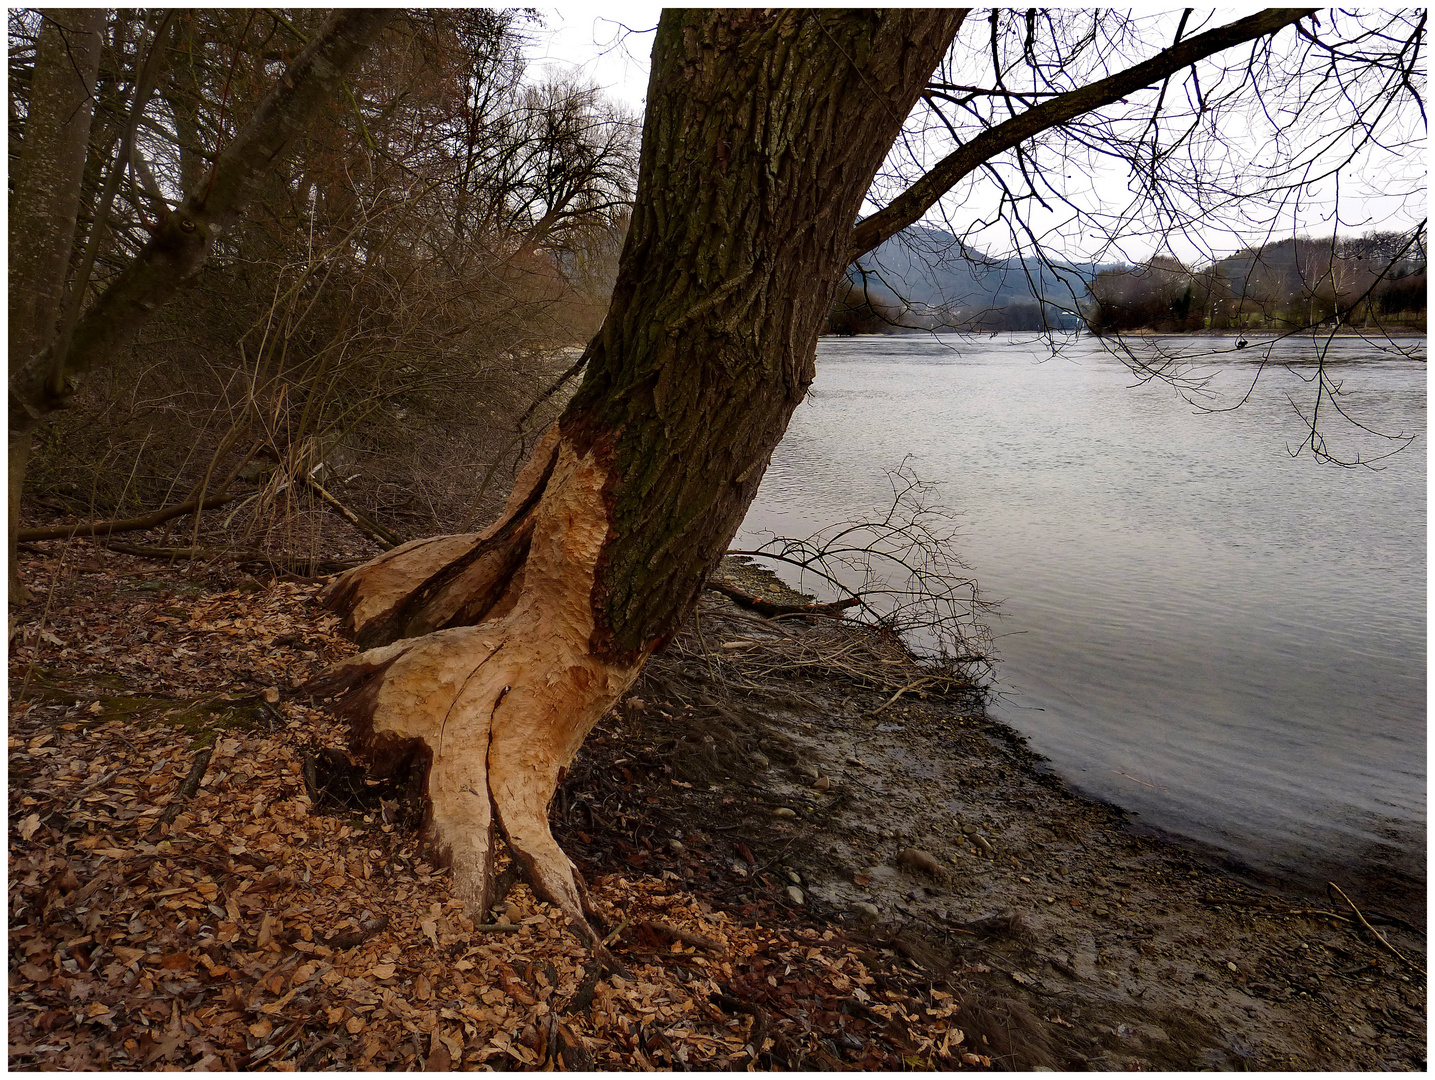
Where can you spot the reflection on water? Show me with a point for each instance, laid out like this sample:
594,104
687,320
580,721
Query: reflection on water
1195,624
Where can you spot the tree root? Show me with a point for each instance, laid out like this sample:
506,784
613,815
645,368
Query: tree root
447,581
501,707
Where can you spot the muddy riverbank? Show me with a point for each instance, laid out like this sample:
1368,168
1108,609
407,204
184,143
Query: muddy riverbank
800,867
930,824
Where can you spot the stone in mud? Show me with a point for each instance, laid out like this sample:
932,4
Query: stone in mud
795,894
784,812
822,783
880,873
921,860
865,912
760,761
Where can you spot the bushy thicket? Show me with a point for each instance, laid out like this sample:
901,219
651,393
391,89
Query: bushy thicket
407,287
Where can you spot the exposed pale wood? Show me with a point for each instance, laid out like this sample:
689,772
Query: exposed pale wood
377,592
503,706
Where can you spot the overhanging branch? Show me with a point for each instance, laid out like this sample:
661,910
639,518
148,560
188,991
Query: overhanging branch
921,196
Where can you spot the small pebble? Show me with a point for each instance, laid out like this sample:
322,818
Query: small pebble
919,860
793,877
676,847
761,761
784,812
795,894
822,783
866,912
969,829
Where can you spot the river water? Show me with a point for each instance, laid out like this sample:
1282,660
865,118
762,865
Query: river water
1196,625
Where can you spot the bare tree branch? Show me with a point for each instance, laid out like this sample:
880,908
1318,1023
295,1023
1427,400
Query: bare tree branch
922,195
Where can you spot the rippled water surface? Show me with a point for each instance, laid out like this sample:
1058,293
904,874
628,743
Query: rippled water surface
1195,624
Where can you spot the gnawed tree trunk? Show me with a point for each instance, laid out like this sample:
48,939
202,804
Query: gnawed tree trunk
763,133
764,130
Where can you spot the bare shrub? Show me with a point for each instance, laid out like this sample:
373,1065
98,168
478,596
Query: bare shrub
902,568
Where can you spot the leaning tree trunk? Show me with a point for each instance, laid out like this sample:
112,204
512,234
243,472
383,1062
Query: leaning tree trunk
46,371
763,133
44,204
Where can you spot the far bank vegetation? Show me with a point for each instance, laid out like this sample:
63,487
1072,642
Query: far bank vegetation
1375,281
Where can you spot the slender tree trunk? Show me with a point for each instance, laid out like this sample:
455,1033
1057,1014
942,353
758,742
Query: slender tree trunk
763,133
44,205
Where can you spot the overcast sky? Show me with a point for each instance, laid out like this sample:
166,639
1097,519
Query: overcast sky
611,45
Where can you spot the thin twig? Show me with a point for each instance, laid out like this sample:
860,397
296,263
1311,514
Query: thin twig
910,686
1329,885
187,790
703,642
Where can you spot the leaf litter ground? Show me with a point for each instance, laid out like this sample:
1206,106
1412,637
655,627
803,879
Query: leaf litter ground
797,870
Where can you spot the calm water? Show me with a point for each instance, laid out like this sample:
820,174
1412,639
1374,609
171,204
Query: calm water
1194,625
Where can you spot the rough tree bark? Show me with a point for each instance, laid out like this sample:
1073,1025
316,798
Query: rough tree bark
46,368
763,133
45,202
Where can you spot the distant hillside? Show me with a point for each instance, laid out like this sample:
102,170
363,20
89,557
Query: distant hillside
926,278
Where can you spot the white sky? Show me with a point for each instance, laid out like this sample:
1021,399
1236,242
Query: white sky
610,45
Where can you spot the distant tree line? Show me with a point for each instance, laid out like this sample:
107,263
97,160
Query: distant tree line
1375,280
